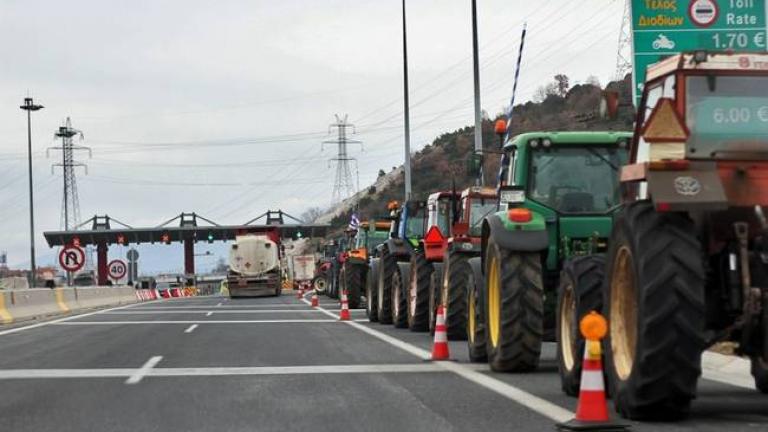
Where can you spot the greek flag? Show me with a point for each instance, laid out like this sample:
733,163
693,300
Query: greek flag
354,222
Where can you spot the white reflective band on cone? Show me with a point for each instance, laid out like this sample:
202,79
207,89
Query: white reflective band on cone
440,337
592,380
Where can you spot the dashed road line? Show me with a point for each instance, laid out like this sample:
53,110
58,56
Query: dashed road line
191,328
144,370
209,314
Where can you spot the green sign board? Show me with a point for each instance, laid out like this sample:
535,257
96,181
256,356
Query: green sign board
665,27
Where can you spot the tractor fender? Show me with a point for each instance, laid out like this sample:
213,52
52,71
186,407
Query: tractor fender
399,247
516,240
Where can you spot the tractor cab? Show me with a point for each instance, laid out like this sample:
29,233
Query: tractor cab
369,237
441,213
567,183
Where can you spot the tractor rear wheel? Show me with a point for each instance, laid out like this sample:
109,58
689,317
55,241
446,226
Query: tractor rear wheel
476,338
654,303
354,278
514,296
760,364
579,293
387,268
372,291
435,281
418,293
454,295
400,295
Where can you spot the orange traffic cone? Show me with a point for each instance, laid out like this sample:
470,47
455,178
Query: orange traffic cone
315,301
344,315
440,346
592,409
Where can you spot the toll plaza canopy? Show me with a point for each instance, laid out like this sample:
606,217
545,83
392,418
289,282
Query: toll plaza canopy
102,234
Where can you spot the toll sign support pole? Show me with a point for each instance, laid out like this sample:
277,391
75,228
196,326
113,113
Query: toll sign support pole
189,256
101,263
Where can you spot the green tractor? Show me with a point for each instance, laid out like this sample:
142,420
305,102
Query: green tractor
558,195
354,270
393,267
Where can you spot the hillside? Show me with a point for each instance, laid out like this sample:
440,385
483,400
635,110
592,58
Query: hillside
438,165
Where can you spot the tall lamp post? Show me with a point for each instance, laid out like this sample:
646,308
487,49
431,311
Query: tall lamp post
29,106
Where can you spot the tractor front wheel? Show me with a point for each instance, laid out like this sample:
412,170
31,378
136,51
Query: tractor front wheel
387,268
514,296
418,293
654,302
476,337
435,281
454,295
578,294
354,278
400,295
372,291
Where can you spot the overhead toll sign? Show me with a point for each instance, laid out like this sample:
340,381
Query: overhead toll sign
664,27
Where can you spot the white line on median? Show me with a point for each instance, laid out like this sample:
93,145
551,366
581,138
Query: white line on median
264,311
287,321
144,370
191,328
535,403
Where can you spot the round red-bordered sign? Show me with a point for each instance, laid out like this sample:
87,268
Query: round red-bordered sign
72,258
117,269
703,13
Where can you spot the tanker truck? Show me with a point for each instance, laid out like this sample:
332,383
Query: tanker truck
254,267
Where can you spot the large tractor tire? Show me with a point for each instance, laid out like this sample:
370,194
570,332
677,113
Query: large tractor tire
514,315
387,268
320,284
476,338
354,281
579,293
435,284
760,364
418,293
333,276
400,295
654,303
372,291
454,294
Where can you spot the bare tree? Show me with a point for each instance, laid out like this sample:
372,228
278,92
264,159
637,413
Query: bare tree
562,84
311,214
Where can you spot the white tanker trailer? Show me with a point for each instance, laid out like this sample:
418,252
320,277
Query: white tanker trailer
254,267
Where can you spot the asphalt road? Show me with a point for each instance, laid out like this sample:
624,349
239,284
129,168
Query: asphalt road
274,364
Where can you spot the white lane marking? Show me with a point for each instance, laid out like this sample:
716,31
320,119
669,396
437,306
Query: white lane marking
191,328
151,371
209,314
144,306
265,311
218,305
65,319
535,403
144,370
287,321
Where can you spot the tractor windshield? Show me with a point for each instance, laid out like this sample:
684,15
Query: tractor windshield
726,115
478,210
441,214
572,179
376,238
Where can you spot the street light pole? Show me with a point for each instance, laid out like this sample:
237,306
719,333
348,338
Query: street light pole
478,116
407,164
29,106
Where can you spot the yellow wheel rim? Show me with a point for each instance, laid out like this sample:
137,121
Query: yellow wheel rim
623,313
567,326
494,301
471,325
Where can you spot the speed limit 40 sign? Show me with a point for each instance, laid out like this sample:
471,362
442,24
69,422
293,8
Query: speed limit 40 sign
117,269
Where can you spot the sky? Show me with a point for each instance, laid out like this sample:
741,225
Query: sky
220,107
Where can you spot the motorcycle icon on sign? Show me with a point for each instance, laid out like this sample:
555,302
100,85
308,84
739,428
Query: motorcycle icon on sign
663,42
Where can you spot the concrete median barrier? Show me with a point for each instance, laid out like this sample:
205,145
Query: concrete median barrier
30,304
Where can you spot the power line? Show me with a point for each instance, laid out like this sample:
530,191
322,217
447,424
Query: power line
70,206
